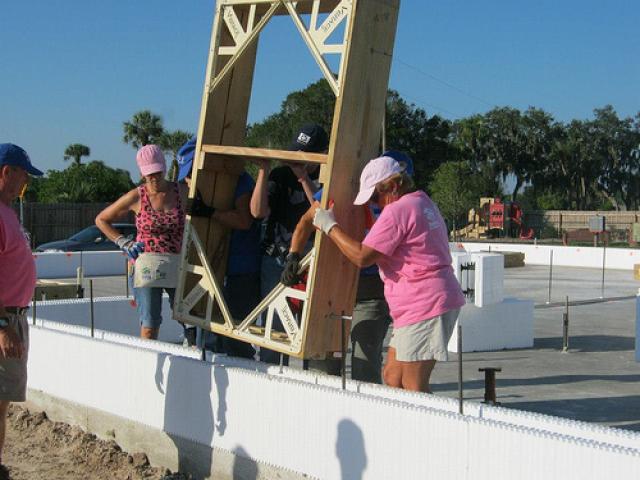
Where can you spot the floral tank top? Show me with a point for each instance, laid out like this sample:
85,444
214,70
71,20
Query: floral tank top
161,231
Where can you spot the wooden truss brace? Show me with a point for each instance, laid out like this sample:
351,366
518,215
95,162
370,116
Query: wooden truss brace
312,328
278,301
314,36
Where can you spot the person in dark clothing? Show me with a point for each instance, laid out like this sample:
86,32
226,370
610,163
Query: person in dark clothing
281,197
242,281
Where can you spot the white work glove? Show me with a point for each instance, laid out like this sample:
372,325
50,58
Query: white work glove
324,220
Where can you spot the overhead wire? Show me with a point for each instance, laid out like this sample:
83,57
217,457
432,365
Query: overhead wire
442,82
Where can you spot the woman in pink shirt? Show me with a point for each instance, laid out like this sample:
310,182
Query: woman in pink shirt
410,245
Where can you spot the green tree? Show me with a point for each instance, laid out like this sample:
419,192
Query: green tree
408,128
144,128
314,104
425,139
93,182
456,189
75,152
171,142
615,145
470,140
574,168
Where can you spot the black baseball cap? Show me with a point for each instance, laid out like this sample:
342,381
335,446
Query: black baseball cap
310,138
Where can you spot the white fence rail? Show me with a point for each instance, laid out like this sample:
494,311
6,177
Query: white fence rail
589,257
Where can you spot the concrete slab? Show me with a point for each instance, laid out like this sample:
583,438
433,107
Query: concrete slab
597,380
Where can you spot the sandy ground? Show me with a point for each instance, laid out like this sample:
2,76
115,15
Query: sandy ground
37,449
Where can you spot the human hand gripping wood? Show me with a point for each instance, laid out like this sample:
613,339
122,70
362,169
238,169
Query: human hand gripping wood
324,220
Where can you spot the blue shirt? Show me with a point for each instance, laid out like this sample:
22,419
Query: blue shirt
244,246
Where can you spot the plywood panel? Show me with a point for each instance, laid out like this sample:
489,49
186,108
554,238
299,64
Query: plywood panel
355,139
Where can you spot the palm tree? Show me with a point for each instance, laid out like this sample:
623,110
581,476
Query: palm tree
144,128
171,142
76,151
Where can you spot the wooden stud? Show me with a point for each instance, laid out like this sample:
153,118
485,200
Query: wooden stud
363,90
361,87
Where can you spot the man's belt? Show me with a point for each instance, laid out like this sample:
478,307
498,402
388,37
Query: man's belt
16,310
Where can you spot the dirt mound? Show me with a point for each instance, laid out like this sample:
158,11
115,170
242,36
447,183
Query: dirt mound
37,449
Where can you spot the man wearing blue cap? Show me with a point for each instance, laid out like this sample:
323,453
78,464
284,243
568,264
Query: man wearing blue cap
17,282
242,281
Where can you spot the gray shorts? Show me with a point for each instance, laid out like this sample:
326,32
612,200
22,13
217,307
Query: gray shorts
13,371
426,340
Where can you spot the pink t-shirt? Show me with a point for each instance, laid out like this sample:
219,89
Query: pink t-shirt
419,283
17,268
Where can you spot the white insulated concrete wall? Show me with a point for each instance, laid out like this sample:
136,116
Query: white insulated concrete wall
304,423
508,324
590,257
112,314
65,264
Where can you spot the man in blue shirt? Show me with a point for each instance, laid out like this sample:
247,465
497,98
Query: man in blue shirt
242,281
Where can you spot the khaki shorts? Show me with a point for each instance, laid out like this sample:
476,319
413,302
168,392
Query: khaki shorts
426,340
13,371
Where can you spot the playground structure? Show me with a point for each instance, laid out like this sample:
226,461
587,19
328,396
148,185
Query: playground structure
360,85
495,218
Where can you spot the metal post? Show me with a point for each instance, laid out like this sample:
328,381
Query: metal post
203,352
565,326
550,274
490,396
460,392
33,313
79,281
91,302
604,261
126,277
343,350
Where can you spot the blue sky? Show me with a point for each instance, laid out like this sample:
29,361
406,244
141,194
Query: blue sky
72,71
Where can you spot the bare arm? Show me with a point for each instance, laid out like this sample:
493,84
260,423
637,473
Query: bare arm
303,177
239,218
357,253
259,205
303,230
130,201
183,190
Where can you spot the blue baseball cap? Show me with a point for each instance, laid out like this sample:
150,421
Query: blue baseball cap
185,158
402,158
15,156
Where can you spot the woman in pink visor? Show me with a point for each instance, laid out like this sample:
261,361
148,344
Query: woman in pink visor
409,243
157,205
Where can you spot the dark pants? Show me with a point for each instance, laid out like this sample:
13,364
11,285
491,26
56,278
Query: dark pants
369,327
242,294
272,268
